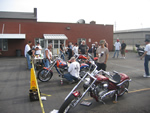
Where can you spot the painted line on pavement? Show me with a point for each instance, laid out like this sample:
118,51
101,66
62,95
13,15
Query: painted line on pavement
134,91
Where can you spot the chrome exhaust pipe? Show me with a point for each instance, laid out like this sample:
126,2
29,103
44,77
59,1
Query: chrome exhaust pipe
110,93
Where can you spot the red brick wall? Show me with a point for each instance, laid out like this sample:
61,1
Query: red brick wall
34,29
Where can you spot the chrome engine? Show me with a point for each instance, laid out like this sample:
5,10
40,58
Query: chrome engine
100,90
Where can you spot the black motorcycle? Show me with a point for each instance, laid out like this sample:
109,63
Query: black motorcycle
140,50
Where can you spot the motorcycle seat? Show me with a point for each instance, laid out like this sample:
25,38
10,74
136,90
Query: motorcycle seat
115,78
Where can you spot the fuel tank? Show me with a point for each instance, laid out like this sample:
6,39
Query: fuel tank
82,57
61,63
101,78
123,77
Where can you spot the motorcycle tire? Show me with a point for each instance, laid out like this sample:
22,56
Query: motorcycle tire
42,77
66,106
122,89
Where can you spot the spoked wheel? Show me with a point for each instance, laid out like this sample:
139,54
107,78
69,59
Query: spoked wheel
66,106
122,88
44,75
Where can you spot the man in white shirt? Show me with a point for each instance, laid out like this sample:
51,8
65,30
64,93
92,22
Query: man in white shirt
75,49
73,70
27,48
38,49
147,58
117,48
48,55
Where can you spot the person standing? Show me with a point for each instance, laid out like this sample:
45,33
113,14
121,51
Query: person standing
48,55
102,54
38,49
147,58
123,47
69,50
75,49
95,48
27,56
117,48
83,48
62,51
73,71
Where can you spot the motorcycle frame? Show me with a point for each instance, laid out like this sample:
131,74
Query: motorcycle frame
94,72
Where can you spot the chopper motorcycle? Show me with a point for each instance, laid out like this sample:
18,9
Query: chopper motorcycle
100,85
45,74
140,50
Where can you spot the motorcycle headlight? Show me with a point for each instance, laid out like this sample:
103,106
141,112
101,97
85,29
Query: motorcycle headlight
87,81
105,85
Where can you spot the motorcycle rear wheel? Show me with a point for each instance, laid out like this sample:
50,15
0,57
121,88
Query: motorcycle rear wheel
42,75
122,89
140,53
66,106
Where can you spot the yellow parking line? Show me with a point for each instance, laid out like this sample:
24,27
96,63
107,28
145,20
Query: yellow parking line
45,94
145,89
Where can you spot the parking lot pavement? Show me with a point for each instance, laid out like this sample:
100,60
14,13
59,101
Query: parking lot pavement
15,84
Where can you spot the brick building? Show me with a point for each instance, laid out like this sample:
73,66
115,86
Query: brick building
18,28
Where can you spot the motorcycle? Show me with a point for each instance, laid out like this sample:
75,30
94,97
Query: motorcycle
140,50
45,74
100,85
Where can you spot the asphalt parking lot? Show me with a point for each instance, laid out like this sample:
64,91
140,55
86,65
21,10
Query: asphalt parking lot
15,85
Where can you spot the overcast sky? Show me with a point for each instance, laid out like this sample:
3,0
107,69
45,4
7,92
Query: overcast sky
123,14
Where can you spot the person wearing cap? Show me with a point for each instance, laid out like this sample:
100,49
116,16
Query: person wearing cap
38,49
102,53
73,71
117,48
147,57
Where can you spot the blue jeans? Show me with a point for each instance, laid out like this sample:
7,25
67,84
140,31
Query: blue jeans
28,61
116,51
62,55
46,63
147,58
69,77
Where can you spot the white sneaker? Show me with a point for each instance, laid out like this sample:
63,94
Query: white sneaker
144,75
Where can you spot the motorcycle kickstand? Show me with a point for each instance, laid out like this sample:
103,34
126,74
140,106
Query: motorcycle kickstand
115,101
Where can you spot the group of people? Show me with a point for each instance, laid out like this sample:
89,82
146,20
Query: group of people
31,52
101,52
119,47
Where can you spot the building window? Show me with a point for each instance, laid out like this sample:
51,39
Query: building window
4,44
55,43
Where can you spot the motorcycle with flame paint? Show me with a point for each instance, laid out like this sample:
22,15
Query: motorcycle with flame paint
100,85
61,66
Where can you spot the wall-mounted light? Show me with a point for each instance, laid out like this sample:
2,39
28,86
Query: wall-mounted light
68,28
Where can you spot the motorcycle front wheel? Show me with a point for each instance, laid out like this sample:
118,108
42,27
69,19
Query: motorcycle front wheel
122,88
44,75
68,103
